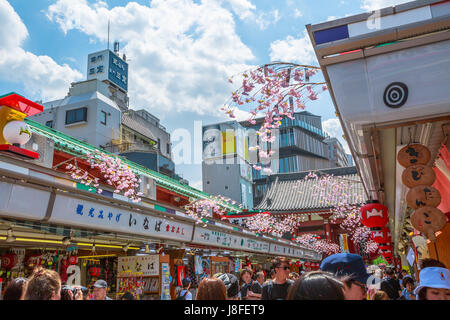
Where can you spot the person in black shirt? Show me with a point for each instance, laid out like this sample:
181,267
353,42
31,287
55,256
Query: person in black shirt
255,291
390,285
277,289
247,282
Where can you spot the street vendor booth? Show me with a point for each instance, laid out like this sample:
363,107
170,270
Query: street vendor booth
388,73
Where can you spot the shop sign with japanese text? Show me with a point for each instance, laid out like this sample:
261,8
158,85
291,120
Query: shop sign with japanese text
221,239
94,215
147,265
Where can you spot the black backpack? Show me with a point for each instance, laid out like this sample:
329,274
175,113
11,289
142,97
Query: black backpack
183,297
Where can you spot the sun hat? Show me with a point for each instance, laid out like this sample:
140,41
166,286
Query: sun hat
433,277
346,264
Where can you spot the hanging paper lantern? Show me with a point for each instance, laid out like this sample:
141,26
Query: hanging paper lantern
374,214
298,264
17,132
8,261
418,175
73,259
385,246
428,220
381,235
413,154
422,196
307,264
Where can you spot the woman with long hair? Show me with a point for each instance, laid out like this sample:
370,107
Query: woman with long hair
211,289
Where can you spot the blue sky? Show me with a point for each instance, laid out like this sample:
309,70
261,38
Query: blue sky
181,51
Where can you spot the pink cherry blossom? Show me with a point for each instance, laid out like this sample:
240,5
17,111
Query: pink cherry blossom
273,86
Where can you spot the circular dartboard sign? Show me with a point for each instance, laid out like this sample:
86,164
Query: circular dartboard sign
395,94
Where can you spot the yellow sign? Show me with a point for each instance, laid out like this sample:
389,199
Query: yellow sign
344,242
228,142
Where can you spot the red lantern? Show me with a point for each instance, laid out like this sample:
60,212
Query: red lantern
8,260
386,254
298,264
374,214
307,264
384,248
382,235
73,259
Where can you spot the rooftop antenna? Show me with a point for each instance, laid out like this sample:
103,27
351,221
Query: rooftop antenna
108,34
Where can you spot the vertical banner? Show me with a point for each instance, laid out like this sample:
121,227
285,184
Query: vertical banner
237,265
344,242
228,142
165,281
180,275
198,264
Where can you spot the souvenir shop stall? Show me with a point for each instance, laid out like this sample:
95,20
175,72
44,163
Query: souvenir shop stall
75,266
144,276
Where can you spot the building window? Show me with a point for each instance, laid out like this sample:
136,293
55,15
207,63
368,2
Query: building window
91,70
159,144
168,148
49,124
76,115
93,59
99,69
207,182
100,58
103,117
226,187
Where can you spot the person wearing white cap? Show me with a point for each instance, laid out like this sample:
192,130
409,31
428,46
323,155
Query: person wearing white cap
434,284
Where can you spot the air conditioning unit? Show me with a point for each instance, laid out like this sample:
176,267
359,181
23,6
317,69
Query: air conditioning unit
148,187
42,145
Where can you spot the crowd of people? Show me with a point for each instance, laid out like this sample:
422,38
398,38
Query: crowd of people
342,276
45,284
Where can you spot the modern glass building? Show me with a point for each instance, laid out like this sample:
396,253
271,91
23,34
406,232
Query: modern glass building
300,146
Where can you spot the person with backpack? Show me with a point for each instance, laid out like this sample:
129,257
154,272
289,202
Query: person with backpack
277,289
390,285
185,294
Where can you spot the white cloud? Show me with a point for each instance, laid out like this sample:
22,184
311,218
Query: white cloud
41,76
176,64
263,20
370,5
242,8
10,21
292,49
297,13
333,127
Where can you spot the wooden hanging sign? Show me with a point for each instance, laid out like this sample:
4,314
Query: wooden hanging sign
428,220
413,154
422,196
418,175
